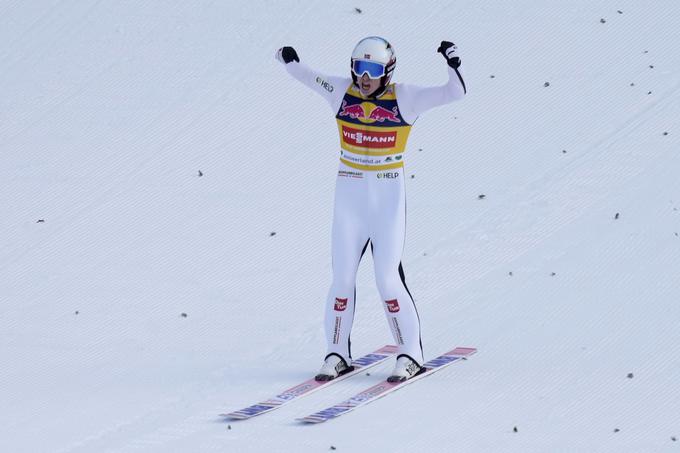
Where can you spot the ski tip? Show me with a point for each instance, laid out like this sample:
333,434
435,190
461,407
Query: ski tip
461,351
388,349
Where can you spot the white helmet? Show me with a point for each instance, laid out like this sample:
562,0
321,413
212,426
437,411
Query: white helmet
369,51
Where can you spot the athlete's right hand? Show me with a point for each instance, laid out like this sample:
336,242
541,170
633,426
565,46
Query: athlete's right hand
286,55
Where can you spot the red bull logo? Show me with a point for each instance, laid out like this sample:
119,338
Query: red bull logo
367,112
340,304
354,111
369,139
392,305
382,114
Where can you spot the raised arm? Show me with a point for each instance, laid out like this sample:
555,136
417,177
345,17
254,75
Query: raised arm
331,88
414,100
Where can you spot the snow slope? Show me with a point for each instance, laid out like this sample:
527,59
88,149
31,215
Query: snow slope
139,299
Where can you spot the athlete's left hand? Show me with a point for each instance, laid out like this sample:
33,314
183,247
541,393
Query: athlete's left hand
449,49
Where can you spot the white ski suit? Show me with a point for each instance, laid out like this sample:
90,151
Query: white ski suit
370,204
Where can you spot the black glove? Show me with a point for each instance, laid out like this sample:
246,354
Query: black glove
448,49
287,54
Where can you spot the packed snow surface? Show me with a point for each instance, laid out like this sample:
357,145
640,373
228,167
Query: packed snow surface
166,198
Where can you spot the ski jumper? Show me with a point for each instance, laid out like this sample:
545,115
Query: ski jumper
370,202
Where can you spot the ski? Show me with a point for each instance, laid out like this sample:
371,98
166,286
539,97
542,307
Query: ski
384,388
311,385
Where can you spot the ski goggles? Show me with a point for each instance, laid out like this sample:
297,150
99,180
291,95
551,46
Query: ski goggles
373,69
